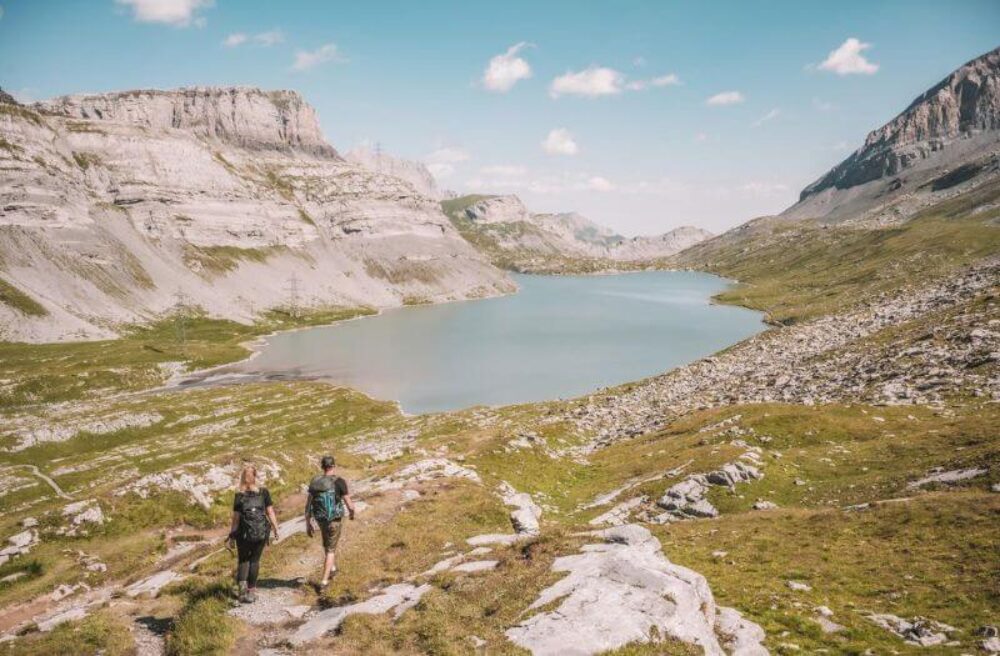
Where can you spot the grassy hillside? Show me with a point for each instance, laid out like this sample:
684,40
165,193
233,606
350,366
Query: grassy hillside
795,271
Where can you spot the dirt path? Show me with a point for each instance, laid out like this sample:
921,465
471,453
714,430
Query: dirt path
51,483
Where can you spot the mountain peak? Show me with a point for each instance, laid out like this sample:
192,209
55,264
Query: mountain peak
963,104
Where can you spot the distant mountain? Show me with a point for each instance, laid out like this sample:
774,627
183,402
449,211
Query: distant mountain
949,136
518,239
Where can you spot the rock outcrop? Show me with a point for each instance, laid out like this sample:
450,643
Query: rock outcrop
117,208
414,173
949,137
624,590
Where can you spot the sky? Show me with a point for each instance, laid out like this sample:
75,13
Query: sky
643,116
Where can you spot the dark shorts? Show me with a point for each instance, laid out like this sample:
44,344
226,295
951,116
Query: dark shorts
331,534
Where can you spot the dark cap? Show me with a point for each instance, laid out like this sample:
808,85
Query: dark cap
327,462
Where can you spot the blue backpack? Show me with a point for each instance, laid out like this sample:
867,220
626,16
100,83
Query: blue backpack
327,504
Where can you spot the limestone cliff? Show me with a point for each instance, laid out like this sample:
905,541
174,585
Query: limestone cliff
409,171
115,206
949,135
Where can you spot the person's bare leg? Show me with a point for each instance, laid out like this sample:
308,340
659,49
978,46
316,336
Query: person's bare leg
329,565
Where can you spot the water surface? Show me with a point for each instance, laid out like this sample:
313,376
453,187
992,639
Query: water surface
560,336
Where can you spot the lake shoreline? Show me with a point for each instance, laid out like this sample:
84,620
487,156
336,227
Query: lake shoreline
240,371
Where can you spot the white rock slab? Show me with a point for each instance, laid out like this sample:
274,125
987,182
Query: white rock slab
620,590
399,598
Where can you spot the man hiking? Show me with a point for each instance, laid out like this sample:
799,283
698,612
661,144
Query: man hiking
326,504
250,530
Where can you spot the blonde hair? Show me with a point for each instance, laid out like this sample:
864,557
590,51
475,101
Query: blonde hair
248,479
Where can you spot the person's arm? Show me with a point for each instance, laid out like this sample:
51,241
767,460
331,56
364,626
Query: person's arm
271,516
273,519
309,523
350,505
233,525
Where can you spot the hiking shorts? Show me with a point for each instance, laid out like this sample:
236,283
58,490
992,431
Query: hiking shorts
330,531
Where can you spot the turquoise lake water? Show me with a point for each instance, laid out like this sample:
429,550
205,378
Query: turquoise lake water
560,336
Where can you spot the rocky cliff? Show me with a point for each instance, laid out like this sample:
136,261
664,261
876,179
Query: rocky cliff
415,173
949,135
520,239
116,207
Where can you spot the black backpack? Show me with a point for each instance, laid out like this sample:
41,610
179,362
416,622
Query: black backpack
253,518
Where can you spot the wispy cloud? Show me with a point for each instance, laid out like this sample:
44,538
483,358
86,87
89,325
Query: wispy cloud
770,116
560,142
849,59
307,59
598,183
179,13
506,69
725,98
265,39
235,39
441,162
598,81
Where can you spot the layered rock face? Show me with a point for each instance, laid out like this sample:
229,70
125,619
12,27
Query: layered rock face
241,116
948,136
415,173
570,234
114,208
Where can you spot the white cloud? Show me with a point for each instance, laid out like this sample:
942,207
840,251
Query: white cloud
270,38
235,39
560,142
591,82
179,13
700,137
305,59
849,60
597,183
600,81
504,71
725,98
441,162
265,39
770,116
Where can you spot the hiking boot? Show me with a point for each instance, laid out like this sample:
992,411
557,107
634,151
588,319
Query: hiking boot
251,596
241,591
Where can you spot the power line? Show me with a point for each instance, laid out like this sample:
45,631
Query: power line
293,296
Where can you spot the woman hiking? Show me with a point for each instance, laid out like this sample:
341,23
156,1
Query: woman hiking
251,529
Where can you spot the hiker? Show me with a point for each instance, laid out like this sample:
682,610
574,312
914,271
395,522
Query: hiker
328,496
253,525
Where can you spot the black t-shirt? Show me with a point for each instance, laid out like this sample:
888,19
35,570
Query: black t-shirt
323,483
238,501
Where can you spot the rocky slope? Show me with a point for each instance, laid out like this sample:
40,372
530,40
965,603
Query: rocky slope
415,173
516,238
116,207
947,139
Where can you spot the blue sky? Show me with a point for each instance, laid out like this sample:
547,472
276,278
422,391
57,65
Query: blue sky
614,119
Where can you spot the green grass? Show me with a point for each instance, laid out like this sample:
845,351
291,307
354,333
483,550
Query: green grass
13,297
830,268
46,373
100,634
203,627
306,218
217,260
21,112
86,160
